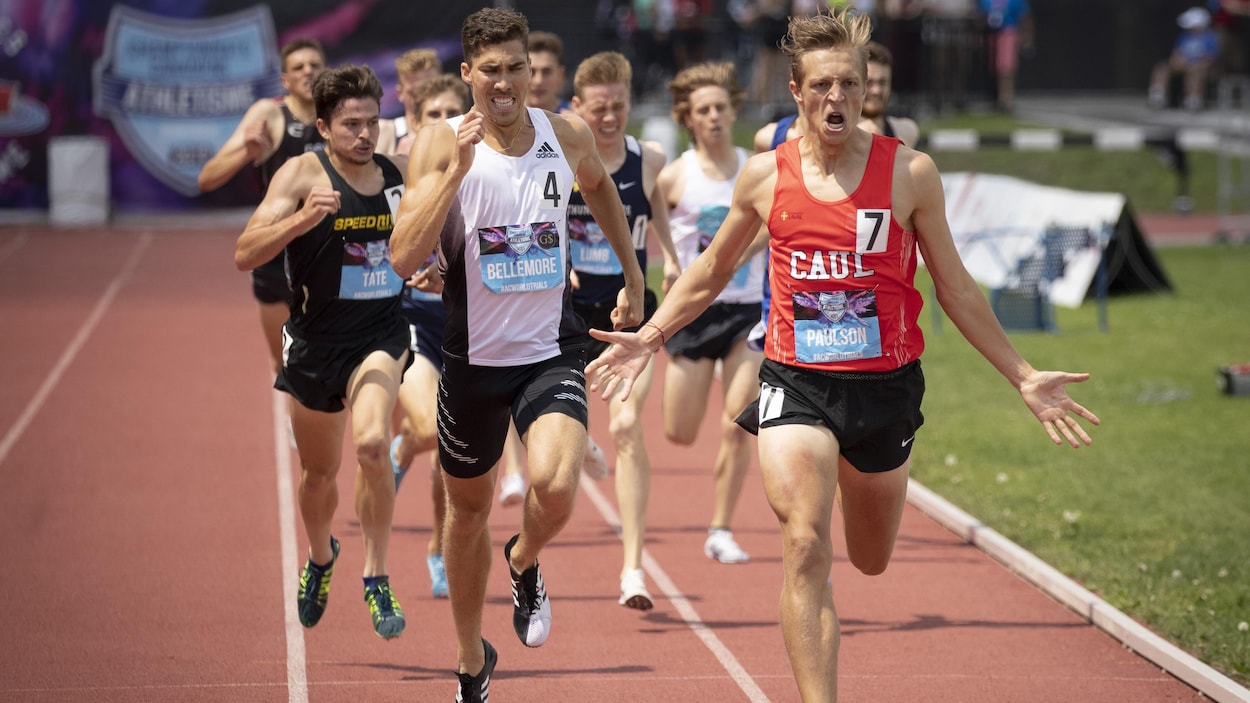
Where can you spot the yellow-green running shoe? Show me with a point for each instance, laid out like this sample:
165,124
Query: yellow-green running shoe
388,617
314,588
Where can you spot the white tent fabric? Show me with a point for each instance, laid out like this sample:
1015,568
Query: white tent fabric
999,221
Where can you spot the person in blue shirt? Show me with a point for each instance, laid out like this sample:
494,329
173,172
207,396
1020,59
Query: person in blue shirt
1011,26
1193,54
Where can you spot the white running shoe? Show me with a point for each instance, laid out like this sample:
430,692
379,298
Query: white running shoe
720,545
512,490
634,591
595,464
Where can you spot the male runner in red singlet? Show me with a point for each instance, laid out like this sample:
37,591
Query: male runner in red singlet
848,213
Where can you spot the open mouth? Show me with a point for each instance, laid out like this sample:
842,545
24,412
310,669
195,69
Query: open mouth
835,121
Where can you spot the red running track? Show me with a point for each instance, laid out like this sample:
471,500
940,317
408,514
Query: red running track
150,549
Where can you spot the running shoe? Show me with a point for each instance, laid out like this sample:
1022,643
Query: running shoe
476,689
438,575
634,591
531,610
314,588
399,471
720,545
595,465
512,490
388,617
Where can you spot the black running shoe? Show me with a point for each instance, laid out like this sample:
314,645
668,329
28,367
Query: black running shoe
531,611
476,689
388,617
314,588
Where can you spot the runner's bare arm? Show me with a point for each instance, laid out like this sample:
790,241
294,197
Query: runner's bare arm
442,158
961,298
254,140
695,289
280,217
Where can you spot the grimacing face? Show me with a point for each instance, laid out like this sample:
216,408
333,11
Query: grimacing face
498,78
605,108
831,96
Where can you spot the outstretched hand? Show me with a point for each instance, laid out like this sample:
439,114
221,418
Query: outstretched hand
619,366
1047,396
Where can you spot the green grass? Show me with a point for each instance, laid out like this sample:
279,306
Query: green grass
1155,515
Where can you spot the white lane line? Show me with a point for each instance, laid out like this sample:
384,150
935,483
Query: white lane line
71,351
684,608
296,664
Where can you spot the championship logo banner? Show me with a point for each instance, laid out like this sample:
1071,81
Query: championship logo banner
176,89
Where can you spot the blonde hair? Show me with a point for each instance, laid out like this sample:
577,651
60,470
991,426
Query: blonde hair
416,61
702,75
842,30
603,68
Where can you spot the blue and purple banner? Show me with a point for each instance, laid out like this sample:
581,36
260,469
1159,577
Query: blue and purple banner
165,82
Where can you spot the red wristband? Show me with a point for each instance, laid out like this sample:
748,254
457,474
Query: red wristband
656,327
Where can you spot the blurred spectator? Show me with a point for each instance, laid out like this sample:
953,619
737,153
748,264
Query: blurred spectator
1232,25
770,77
690,20
948,33
1011,30
1192,56
653,45
899,27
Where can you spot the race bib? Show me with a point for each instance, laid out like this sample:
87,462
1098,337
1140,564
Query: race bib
521,258
836,326
710,219
367,272
591,250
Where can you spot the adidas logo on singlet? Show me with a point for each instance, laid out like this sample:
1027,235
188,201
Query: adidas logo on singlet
546,152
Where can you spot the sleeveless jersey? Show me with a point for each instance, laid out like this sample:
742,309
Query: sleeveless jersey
843,272
297,138
783,126
505,289
698,214
598,270
342,282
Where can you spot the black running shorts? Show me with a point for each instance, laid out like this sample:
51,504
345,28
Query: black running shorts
316,373
474,403
873,415
713,334
598,316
